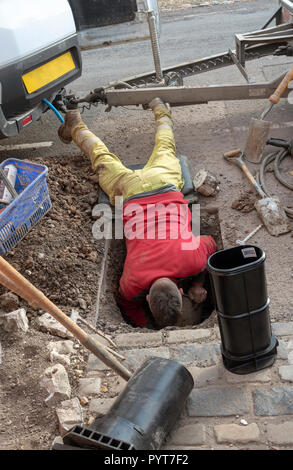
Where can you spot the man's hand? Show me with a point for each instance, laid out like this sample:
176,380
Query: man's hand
72,119
197,293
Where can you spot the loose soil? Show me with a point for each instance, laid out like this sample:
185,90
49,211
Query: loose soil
61,258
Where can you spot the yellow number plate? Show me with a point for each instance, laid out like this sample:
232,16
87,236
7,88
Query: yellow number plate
49,72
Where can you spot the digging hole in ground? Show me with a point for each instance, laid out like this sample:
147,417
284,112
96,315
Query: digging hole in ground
108,313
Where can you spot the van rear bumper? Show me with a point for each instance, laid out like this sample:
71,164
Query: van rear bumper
13,126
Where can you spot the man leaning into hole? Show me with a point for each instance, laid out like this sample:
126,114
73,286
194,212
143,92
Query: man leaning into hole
162,283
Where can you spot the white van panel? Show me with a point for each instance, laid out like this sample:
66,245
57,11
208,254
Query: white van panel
27,26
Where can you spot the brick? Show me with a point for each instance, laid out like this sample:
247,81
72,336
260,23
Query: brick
185,336
234,433
134,358
282,328
201,356
218,402
189,435
204,376
273,401
280,433
260,376
286,373
100,406
132,340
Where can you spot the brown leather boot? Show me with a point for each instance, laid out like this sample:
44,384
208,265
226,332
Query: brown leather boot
72,119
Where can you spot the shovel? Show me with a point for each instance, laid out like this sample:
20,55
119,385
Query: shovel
259,129
269,209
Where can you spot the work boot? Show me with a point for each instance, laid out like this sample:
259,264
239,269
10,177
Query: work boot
157,102
72,119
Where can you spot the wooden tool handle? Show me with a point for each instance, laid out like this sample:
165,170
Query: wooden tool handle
13,280
232,153
275,97
252,180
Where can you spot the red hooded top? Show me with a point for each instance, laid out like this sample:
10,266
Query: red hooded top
159,243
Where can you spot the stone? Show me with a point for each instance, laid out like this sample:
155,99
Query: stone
95,364
281,434
202,356
286,373
48,324
204,376
189,435
82,303
89,386
290,357
218,402
132,340
185,336
15,321
100,406
69,414
134,358
116,384
282,350
55,381
62,347
273,401
282,328
9,302
233,433
61,358
259,376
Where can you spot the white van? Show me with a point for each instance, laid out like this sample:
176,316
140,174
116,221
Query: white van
39,55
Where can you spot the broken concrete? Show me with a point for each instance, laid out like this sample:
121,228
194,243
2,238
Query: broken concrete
15,321
48,324
55,381
69,414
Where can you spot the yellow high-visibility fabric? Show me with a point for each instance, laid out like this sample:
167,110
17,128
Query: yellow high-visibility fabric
163,167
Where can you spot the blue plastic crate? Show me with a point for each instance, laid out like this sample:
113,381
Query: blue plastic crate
32,203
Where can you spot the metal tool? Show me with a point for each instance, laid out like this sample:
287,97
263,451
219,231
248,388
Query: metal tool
259,129
242,242
269,209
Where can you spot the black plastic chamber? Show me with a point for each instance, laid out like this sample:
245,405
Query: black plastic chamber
144,413
240,293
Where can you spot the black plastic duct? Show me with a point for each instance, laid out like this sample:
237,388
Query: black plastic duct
239,287
144,413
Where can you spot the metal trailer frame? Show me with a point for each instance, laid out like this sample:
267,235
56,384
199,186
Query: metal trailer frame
168,83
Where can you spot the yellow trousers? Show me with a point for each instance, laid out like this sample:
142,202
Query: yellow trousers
162,168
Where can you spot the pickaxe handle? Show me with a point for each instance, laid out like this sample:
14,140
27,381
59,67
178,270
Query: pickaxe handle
275,97
13,280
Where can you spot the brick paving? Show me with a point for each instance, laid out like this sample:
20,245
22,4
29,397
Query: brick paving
224,410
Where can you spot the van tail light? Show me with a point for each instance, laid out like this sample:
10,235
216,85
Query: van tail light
26,121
